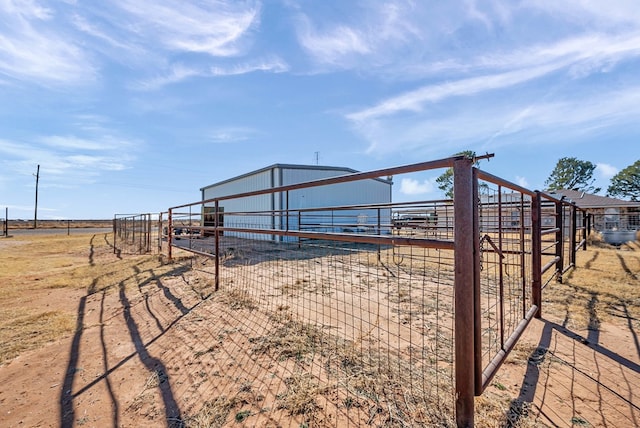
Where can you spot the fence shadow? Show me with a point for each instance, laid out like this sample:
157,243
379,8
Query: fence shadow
564,370
136,316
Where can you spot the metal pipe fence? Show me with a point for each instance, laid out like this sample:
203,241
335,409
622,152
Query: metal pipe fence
5,223
403,311
133,233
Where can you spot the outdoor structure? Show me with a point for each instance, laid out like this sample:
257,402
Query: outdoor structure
617,220
403,318
297,209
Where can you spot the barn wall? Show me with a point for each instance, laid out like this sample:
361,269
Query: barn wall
248,183
353,193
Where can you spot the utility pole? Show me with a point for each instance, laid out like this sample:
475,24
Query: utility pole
317,155
35,215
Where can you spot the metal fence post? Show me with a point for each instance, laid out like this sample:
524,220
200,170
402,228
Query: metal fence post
169,234
559,240
159,233
585,229
574,234
216,235
464,291
149,233
536,252
477,313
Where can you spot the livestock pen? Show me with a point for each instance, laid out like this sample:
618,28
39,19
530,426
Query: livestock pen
381,322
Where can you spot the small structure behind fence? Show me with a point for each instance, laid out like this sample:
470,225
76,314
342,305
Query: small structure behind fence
407,314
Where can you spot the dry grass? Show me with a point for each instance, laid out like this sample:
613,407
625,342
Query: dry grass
28,329
40,275
60,224
605,287
213,414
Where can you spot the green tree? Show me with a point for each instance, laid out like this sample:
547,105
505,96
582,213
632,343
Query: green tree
626,183
572,174
445,181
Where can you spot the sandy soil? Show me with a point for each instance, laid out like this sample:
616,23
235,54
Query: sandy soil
166,353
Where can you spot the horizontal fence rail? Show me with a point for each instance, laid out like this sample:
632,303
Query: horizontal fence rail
407,308
132,233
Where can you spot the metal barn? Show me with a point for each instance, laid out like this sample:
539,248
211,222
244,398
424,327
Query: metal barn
339,207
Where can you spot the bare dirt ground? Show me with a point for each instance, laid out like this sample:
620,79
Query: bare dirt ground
579,366
134,342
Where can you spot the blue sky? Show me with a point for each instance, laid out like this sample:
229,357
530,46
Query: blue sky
133,105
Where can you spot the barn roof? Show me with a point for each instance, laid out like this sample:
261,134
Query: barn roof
588,200
292,166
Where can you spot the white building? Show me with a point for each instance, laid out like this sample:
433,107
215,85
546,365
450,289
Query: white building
300,209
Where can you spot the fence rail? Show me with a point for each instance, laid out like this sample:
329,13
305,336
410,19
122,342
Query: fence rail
429,297
133,233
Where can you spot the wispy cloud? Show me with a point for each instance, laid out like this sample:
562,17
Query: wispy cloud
577,56
32,50
69,160
367,37
332,46
606,171
216,29
273,65
179,72
414,100
490,125
410,186
230,135
41,43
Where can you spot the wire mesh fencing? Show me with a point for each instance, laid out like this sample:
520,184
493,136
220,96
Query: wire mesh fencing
391,314
370,321
135,233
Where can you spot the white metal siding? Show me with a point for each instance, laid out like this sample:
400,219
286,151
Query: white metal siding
299,175
351,193
245,184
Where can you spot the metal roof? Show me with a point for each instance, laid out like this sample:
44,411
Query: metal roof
291,166
587,200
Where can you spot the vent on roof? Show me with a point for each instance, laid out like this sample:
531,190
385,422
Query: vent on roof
582,195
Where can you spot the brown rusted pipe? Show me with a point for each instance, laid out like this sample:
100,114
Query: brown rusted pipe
536,257
464,292
492,368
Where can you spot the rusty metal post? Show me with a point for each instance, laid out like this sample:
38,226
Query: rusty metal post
585,220
170,234
523,257
286,207
536,252
148,233
114,233
160,233
574,235
477,313
559,240
378,232
464,291
501,270
216,235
